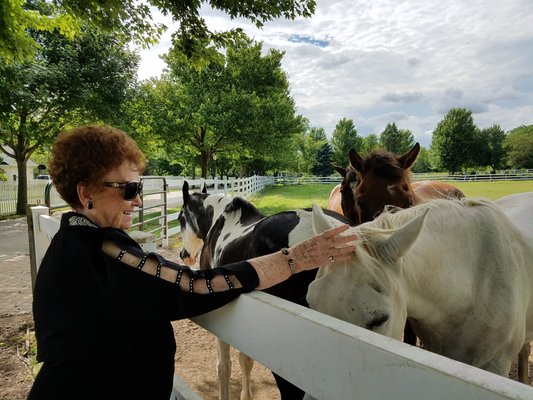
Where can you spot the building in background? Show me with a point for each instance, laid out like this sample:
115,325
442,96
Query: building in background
9,166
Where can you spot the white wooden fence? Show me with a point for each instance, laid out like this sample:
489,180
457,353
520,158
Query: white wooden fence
328,358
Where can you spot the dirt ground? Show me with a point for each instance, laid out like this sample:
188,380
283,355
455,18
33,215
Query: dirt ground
195,362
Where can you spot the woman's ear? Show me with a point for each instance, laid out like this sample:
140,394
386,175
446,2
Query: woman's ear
84,193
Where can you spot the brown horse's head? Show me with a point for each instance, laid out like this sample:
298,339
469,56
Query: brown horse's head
383,179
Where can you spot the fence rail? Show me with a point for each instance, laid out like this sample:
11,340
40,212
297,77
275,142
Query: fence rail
334,179
330,359
40,193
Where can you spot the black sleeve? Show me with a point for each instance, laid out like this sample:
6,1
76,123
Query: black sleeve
190,293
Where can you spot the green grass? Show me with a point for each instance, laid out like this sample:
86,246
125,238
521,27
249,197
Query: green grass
278,198
493,190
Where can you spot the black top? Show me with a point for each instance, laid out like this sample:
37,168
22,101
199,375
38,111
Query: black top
103,328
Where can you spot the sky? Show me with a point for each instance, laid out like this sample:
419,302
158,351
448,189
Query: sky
407,62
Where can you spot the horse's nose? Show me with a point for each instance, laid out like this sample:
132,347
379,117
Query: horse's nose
184,254
378,319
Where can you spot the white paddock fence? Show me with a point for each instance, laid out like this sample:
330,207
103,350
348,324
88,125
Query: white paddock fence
328,358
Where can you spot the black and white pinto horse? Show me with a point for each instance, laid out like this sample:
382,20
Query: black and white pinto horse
225,229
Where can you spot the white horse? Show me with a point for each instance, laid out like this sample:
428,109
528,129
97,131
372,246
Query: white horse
460,270
519,208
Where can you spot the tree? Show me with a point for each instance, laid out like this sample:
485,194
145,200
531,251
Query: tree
344,138
308,146
395,140
454,140
68,82
422,163
491,141
519,144
239,111
133,21
323,165
370,143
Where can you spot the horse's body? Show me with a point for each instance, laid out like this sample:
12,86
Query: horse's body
519,209
459,269
335,198
230,229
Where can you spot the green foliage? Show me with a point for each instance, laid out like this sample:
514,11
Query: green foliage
396,140
491,150
344,138
370,143
519,144
239,111
323,162
308,146
68,82
454,140
422,163
132,21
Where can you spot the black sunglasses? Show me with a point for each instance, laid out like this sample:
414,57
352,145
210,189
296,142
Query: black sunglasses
131,189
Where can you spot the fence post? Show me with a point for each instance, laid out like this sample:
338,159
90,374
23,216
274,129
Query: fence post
37,245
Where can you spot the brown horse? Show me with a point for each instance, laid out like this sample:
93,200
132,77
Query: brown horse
384,179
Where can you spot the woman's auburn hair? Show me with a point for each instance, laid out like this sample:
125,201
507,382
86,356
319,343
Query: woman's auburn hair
86,153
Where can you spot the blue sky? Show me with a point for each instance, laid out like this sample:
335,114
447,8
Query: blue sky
408,62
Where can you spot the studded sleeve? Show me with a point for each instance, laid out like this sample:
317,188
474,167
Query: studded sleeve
189,280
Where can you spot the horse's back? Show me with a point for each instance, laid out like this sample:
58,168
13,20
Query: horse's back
335,197
519,209
429,189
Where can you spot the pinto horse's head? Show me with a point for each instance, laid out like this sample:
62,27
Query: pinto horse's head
383,179
195,220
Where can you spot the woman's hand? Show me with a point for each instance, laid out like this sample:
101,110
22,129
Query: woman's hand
327,247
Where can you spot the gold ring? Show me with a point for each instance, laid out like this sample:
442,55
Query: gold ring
331,259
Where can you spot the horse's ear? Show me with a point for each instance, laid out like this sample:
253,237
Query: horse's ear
204,189
356,160
340,170
320,222
392,248
408,159
185,191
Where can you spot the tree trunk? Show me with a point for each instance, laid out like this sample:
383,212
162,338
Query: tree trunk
22,187
204,163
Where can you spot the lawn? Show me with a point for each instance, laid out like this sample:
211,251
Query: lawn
278,198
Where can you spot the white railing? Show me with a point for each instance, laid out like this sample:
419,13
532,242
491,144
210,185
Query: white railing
8,195
334,179
328,358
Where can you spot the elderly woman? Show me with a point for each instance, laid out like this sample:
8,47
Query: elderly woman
102,307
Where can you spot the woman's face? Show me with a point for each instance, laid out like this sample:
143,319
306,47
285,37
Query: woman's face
109,207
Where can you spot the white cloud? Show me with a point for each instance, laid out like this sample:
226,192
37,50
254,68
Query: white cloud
407,62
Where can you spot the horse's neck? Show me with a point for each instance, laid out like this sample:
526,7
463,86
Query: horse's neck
219,203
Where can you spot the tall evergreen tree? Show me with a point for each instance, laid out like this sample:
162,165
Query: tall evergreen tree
323,166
